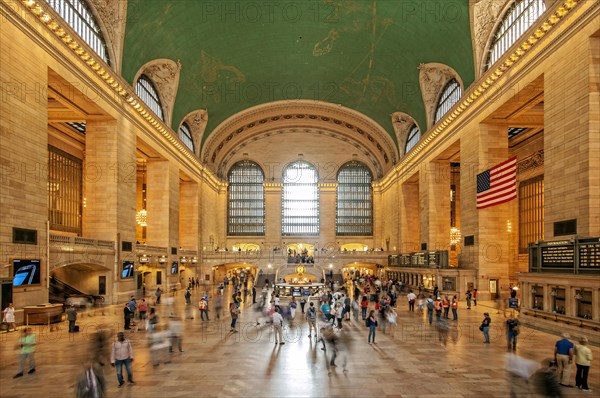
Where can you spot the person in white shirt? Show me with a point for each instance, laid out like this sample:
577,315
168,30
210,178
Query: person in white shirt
278,326
122,354
9,317
411,297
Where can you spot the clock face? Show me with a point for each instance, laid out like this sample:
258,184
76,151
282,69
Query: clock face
300,269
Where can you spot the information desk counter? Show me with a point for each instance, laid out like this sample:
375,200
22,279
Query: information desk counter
298,289
42,314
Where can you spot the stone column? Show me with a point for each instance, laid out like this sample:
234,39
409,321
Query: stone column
189,217
434,198
327,212
409,217
157,202
490,253
273,220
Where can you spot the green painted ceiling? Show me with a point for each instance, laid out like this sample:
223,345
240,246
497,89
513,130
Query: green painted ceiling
363,54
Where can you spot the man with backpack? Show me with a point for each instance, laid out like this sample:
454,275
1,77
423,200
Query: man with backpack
430,307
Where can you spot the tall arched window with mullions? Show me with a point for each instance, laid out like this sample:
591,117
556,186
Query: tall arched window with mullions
354,210
185,135
144,88
300,200
413,137
246,200
449,97
78,15
517,19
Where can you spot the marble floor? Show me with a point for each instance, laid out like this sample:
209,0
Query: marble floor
216,363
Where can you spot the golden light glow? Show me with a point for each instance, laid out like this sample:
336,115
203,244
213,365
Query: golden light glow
142,217
454,236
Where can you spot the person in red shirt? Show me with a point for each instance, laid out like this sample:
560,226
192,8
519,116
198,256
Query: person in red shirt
364,304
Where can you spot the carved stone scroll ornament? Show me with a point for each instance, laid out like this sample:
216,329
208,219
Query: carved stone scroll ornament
112,15
164,73
484,16
531,162
197,120
402,124
432,79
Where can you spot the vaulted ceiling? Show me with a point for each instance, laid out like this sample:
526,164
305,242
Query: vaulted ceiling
362,54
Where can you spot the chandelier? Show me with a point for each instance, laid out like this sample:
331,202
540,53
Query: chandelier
454,236
141,218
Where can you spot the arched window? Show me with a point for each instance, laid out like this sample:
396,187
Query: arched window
246,200
300,200
519,17
413,137
79,17
185,135
144,88
449,97
354,213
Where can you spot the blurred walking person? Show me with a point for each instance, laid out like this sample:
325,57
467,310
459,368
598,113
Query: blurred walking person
26,348
90,383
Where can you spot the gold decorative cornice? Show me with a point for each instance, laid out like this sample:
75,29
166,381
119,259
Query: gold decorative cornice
115,83
474,95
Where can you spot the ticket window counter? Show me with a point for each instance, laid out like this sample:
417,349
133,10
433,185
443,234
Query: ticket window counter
537,298
449,284
559,300
584,304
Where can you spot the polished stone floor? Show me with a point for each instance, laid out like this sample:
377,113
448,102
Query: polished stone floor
216,363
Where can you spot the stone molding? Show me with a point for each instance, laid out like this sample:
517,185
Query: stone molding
303,115
164,73
531,162
433,77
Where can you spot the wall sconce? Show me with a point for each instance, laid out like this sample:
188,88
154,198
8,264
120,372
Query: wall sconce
533,290
194,260
144,258
183,260
162,259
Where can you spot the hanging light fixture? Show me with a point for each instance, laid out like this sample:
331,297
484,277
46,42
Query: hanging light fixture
454,236
141,216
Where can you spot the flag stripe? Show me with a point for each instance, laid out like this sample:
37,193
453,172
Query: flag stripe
498,184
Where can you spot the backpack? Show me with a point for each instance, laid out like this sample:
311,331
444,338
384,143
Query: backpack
430,305
368,322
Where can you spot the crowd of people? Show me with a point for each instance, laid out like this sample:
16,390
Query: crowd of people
363,301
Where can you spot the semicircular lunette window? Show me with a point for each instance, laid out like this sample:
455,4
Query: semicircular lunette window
449,97
354,215
517,19
300,200
185,135
78,15
144,88
413,137
246,200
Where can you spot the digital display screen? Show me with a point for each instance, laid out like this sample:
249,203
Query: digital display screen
127,269
26,272
174,268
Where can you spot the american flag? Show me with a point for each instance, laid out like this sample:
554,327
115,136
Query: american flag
498,184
